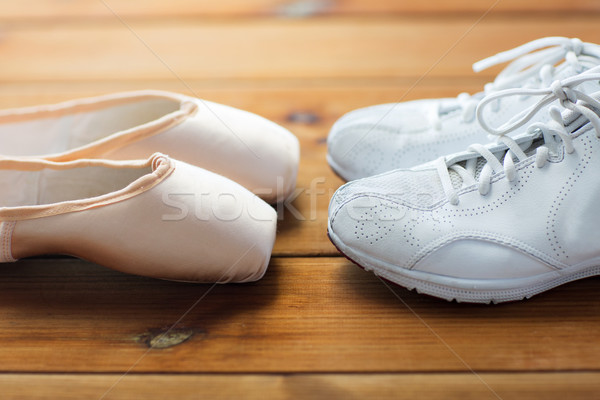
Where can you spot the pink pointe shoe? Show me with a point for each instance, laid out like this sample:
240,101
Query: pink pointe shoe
248,149
160,218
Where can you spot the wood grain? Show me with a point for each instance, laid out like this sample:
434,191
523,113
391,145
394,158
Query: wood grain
307,315
463,386
316,326
280,100
324,48
61,9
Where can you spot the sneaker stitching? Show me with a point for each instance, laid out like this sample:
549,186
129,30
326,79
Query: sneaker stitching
551,233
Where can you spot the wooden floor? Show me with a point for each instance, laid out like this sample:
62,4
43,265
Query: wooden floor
316,326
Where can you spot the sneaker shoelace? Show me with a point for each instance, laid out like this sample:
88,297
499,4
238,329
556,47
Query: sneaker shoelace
551,134
534,62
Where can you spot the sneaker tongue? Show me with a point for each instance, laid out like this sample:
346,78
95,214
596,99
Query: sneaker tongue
457,181
529,143
455,178
574,121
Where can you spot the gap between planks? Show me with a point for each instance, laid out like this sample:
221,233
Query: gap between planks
306,315
59,9
436,386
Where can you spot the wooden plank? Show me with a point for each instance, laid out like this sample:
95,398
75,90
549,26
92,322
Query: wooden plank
306,109
61,9
307,315
464,386
330,48
283,101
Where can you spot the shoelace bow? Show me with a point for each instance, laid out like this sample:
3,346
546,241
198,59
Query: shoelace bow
537,57
552,132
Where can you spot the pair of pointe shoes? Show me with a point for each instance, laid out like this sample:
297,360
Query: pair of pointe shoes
70,187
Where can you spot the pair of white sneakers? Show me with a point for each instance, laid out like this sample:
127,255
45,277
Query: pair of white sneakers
496,222
70,187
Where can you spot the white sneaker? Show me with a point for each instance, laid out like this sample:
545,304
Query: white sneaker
496,223
377,139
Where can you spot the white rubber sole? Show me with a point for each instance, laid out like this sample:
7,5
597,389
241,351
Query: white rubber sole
464,290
